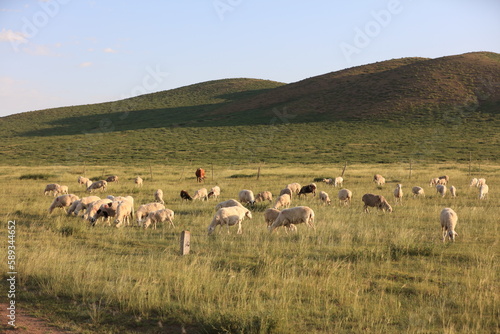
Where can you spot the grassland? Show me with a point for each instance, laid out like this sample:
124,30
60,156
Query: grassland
374,273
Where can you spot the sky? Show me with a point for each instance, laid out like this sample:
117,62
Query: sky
58,53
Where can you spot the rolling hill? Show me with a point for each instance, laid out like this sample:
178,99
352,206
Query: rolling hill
410,108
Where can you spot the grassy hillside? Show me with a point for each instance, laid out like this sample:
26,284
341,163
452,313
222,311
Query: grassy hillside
411,108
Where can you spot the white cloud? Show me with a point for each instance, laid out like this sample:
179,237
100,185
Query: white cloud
85,64
12,36
109,50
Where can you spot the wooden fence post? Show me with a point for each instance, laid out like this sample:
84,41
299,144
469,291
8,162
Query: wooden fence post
258,173
410,170
343,170
185,242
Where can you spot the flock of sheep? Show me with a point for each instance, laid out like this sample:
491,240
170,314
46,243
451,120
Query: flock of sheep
232,212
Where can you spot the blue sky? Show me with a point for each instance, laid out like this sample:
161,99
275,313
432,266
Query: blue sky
70,52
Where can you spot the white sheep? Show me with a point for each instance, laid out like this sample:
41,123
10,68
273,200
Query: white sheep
82,180
294,187
107,211
270,216
229,216
339,180
52,188
441,189
480,182
264,196
448,219
214,192
473,182
433,182
446,179
159,216
201,194
82,204
296,215
398,193
102,184
323,197
138,181
144,210
483,191
94,206
88,183
228,203
328,181
345,196
246,196
124,212
159,196
282,201
418,191
379,180
63,201
453,192
377,201
62,190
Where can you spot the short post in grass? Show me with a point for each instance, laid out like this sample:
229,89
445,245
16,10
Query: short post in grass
185,242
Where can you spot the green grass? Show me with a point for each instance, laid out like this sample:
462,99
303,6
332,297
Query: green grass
357,272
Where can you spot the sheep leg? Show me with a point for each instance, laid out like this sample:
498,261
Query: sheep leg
239,227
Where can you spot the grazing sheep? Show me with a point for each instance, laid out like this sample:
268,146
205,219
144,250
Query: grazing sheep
286,191
159,216
453,192
159,196
480,182
417,191
112,178
294,187
201,194
94,206
200,175
345,196
229,216
433,182
63,201
473,182
296,215
309,189
448,219
446,179
483,191
398,193
102,184
138,181
107,211
82,180
62,190
264,196
52,188
282,201
377,201
270,216
186,196
328,181
339,180
82,204
214,192
441,181
379,180
246,196
228,203
323,196
441,189
124,212
145,209
89,183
